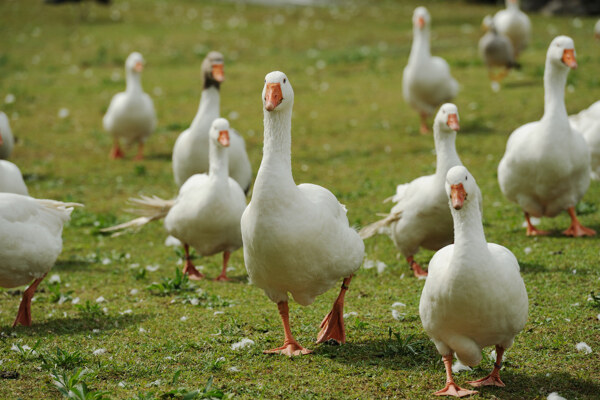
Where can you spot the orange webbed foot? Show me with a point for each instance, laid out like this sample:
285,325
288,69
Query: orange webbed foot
332,326
533,231
490,380
579,230
193,274
116,153
222,278
452,389
289,349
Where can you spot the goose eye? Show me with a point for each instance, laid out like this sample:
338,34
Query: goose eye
265,81
466,178
284,80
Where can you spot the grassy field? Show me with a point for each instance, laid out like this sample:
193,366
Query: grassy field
352,133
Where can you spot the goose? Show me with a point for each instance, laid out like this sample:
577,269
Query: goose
597,29
130,115
7,141
420,217
515,25
206,214
546,166
11,180
30,243
587,122
474,296
496,51
190,153
297,238
426,80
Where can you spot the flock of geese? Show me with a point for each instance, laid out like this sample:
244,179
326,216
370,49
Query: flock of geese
297,239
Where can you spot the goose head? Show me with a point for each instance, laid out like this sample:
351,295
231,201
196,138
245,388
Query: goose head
135,63
487,24
562,52
219,132
447,118
460,186
212,69
277,93
421,18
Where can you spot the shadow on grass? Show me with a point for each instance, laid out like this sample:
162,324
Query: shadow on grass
159,156
73,265
532,268
73,325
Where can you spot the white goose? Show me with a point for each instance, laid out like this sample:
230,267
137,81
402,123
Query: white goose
515,25
426,80
7,141
206,214
546,166
496,51
190,153
11,180
130,115
296,238
474,296
587,122
30,242
421,217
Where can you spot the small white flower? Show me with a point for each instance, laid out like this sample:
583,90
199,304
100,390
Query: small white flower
583,347
245,342
100,299
555,396
574,271
54,279
63,113
184,318
99,352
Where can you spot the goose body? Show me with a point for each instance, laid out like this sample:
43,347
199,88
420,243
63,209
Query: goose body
297,239
587,122
426,80
7,140
11,180
474,295
496,51
30,242
420,217
130,115
190,153
546,166
207,211
515,25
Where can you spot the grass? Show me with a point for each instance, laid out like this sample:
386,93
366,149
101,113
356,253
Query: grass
352,133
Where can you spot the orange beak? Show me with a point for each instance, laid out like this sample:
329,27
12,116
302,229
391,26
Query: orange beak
139,66
453,122
420,22
273,96
224,138
569,58
218,73
458,196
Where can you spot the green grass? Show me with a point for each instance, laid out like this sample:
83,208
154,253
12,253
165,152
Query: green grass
352,133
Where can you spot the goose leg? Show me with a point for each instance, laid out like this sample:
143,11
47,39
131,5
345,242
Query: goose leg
417,269
424,129
493,379
451,388
576,229
290,346
531,229
189,267
223,276
24,314
332,326
140,154
116,151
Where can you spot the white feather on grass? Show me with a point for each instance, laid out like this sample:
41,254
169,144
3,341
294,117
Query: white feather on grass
555,396
583,347
245,342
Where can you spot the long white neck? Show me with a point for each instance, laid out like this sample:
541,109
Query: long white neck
276,166
512,5
469,238
555,79
209,108
420,46
445,150
133,82
218,161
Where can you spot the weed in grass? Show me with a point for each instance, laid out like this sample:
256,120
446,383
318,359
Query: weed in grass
585,208
409,345
25,352
89,309
72,386
167,286
61,359
595,299
139,274
56,296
